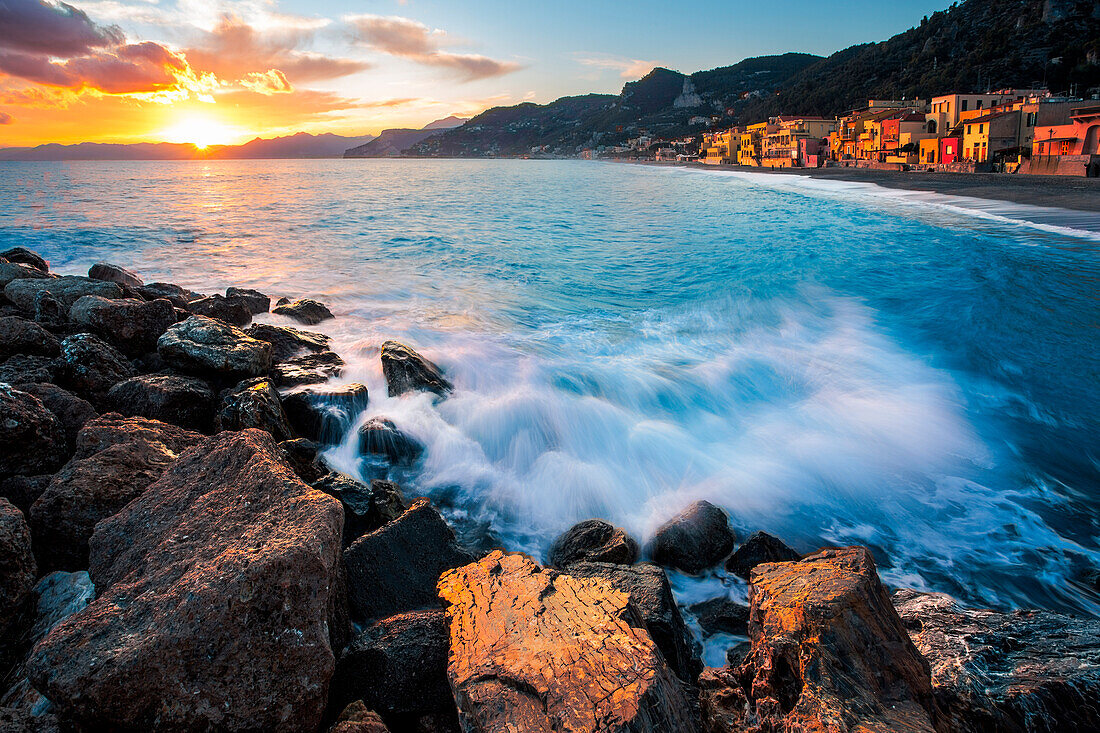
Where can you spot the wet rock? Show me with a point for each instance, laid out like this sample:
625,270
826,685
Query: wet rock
177,296
307,311
287,343
536,650
10,271
695,539
721,616
22,491
130,324
17,566
24,256
32,439
593,540
51,313
395,568
829,653
308,369
1033,671
67,290
22,369
205,345
651,595
366,508
761,547
407,371
185,401
20,336
90,367
72,411
380,437
115,274
304,456
219,578
253,403
356,718
233,311
325,414
254,300
398,667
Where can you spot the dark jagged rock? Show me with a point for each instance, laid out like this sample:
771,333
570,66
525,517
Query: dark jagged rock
233,311
10,271
72,411
366,508
380,437
21,721
356,718
113,429
22,255
185,401
308,369
761,547
650,593
51,313
304,456
20,336
22,369
220,578
407,371
32,439
17,566
695,539
115,274
201,344
287,343
177,296
22,491
324,414
535,650
398,667
593,540
721,616
307,311
67,290
395,568
90,366
132,325
253,403
254,300
1024,671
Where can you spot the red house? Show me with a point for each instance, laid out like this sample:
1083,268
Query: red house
950,149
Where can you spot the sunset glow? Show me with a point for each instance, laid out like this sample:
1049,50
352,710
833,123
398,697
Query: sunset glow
202,132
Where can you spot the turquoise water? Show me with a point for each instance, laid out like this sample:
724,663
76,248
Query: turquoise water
831,363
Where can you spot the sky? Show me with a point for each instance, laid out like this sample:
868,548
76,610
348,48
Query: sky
226,71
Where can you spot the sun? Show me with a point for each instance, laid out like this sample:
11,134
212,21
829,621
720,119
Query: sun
200,131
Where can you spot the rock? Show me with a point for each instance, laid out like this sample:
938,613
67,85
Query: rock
10,271
17,566
721,616
407,371
1034,671
205,345
593,540
535,650
25,256
304,456
366,508
325,414
829,653
695,539
254,300
253,403
67,290
32,439
22,369
51,313
398,667
132,325
380,437
22,491
307,311
233,311
395,568
761,547
308,369
219,579
650,593
113,429
287,343
72,411
184,401
90,367
356,718
20,721
177,296
92,488
20,336
115,274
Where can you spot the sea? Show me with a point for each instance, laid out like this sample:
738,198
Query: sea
833,363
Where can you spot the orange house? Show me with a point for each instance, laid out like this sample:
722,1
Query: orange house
1072,149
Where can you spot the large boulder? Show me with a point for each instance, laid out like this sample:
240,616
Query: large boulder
395,568
233,311
22,369
201,344
308,369
380,437
829,653
287,343
254,300
366,508
10,271
651,595
593,540
20,336
407,371
253,403
114,429
32,439
306,311
130,324
17,567
357,718
115,274
22,491
177,296
721,616
66,290
22,255
694,540
304,456
535,650
185,401
325,414
216,593
90,367
760,548
72,411
1019,672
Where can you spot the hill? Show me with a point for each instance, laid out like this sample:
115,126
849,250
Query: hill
301,145
391,142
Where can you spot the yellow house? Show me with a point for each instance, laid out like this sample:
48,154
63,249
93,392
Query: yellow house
720,148
751,150
930,151
988,134
780,147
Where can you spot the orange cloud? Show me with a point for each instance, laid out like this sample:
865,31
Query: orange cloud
6,119
272,81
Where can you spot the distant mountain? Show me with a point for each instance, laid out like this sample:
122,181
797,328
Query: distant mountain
301,145
391,143
102,151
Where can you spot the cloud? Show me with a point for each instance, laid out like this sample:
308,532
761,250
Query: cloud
126,69
62,31
410,39
272,81
6,119
627,68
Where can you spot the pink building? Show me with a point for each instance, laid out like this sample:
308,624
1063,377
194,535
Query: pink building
1068,150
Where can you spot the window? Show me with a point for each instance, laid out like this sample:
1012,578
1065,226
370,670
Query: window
979,104
969,129
964,105
981,128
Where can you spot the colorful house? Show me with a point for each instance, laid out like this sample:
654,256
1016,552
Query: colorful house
988,137
1069,150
